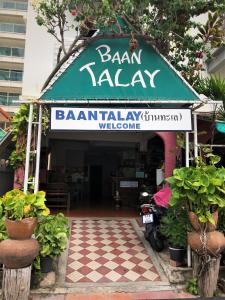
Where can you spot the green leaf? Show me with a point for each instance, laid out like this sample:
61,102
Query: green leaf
202,30
222,190
216,181
204,180
52,233
211,189
191,195
173,201
203,219
202,190
210,217
196,184
215,159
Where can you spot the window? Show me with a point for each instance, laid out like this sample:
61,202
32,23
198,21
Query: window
19,28
18,52
8,98
15,75
13,5
3,98
7,51
6,27
11,75
4,74
21,6
10,27
7,4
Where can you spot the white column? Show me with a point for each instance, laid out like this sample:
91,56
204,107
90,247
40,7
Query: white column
187,161
195,136
187,149
27,162
38,151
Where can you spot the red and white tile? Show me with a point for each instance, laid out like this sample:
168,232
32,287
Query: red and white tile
107,251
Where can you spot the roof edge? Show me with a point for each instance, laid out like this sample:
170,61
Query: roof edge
70,59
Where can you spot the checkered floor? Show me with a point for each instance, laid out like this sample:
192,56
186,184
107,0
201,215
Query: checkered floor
107,251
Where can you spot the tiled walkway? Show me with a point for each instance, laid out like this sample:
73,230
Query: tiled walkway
102,251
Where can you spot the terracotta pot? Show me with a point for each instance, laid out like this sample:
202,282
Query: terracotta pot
198,226
215,242
20,230
16,254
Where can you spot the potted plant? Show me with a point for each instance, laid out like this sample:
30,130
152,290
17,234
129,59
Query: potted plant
201,188
52,233
174,227
21,211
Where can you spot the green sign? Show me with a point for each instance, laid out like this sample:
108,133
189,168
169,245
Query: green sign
2,134
220,126
107,70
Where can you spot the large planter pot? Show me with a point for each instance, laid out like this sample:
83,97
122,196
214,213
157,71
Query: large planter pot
46,264
177,254
16,254
21,230
198,226
215,242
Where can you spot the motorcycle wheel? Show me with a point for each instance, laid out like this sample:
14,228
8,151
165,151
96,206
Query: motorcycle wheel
156,243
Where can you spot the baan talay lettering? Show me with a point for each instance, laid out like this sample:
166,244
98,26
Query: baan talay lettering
145,78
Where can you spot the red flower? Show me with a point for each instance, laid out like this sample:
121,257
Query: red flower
199,54
74,12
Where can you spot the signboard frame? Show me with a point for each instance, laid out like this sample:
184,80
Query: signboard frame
72,108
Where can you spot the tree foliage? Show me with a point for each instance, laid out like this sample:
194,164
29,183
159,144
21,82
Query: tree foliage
214,88
169,24
19,133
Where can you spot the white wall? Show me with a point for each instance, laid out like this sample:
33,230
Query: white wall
40,55
38,61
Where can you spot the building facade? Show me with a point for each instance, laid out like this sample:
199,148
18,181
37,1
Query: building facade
28,57
216,65
12,50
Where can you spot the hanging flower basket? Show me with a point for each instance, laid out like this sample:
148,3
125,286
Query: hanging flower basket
220,126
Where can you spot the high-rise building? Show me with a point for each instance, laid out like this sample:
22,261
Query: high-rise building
216,65
12,48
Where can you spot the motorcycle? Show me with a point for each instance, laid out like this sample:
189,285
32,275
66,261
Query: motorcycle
152,209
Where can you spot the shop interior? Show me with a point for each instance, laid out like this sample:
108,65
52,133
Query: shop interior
98,172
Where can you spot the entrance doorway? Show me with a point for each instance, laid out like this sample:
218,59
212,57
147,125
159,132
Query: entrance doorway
98,168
